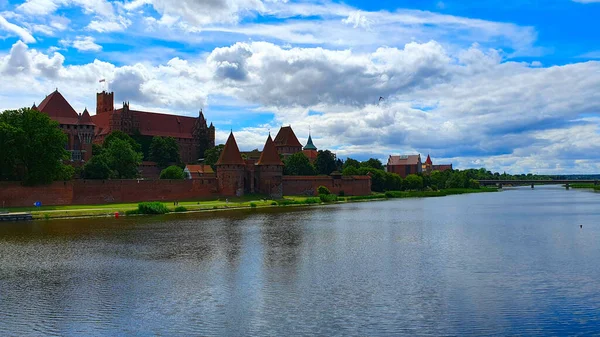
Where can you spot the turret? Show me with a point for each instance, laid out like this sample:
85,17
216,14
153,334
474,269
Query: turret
270,171
105,102
230,169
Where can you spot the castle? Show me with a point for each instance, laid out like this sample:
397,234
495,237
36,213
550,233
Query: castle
192,134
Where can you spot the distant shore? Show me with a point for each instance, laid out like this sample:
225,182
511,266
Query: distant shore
224,204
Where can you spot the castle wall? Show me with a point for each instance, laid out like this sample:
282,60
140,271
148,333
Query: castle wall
308,185
81,192
231,180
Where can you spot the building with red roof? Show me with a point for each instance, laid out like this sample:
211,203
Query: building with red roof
286,142
428,166
404,165
79,128
193,134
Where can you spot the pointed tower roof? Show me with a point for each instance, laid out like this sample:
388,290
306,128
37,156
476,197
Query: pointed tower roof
57,107
34,107
231,153
309,144
85,118
286,137
269,155
428,161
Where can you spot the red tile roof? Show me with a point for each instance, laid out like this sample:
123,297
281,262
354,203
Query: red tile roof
85,118
57,108
165,125
404,160
286,137
231,153
428,160
199,169
152,124
269,155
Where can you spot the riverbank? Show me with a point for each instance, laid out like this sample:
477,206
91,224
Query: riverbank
589,186
130,209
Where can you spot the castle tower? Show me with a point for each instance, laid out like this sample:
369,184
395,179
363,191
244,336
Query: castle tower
105,102
85,134
270,171
204,136
427,167
310,150
230,169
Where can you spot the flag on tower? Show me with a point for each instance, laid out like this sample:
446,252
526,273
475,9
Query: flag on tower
102,80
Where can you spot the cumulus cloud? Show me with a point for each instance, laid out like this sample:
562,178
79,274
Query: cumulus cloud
470,107
21,32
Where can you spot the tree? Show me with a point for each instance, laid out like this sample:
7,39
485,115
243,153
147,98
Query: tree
97,168
172,172
350,171
457,180
122,159
211,156
8,144
413,182
351,163
372,162
37,147
164,151
325,162
298,165
122,136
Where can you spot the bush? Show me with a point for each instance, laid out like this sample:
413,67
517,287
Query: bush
312,200
473,184
180,209
152,208
342,194
328,197
323,190
172,172
341,199
273,203
253,205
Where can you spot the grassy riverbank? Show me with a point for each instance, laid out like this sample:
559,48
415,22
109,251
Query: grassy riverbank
590,186
50,212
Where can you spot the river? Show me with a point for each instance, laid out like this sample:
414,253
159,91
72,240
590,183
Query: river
509,263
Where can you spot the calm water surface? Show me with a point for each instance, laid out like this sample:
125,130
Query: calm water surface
509,263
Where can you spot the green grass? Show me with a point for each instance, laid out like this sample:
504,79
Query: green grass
591,186
48,212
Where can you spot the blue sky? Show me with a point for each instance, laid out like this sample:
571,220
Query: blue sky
509,85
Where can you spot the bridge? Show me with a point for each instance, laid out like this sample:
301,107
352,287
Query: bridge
567,183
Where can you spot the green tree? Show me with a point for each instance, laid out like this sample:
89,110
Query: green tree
97,168
122,159
413,182
122,136
298,165
457,180
351,163
172,172
325,162
350,171
211,156
372,162
9,136
38,147
378,183
164,151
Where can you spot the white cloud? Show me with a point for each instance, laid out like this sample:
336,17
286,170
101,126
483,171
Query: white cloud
86,43
586,1
45,7
21,32
469,107
120,23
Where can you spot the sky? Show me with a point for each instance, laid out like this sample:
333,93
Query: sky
508,85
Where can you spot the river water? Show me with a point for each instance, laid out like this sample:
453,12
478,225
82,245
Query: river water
509,263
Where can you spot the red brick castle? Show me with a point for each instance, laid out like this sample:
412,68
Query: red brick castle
193,134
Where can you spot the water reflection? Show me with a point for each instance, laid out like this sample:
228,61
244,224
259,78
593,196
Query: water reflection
505,263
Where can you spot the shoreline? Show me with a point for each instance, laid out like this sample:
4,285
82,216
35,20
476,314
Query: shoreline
110,210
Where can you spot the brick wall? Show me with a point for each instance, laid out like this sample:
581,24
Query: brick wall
81,192
308,185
